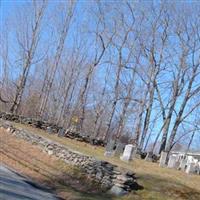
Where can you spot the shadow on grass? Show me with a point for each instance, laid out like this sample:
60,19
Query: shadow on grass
80,189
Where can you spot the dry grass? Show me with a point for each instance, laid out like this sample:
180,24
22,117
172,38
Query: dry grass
159,183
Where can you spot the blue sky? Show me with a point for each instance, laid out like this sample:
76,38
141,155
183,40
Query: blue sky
8,7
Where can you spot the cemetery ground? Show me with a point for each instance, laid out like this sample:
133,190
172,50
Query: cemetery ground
69,183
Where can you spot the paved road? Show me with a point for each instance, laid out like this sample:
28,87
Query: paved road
16,187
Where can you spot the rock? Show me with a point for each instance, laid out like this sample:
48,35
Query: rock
118,191
130,173
116,172
106,183
123,178
50,152
99,175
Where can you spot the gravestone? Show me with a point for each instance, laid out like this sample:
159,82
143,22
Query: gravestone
190,159
177,164
198,168
128,151
149,156
172,161
61,132
120,144
191,168
110,148
163,158
183,165
49,130
119,148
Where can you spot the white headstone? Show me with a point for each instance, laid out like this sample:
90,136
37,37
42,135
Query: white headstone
172,161
191,168
127,154
198,168
183,164
163,158
190,159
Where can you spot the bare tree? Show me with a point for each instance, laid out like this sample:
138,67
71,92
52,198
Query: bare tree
28,43
68,14
186,77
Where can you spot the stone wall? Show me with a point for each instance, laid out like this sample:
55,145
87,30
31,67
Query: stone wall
36,123
107,175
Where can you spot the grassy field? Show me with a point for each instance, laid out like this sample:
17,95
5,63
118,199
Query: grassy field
159,183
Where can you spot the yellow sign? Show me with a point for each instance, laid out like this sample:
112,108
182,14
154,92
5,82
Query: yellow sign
75,119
